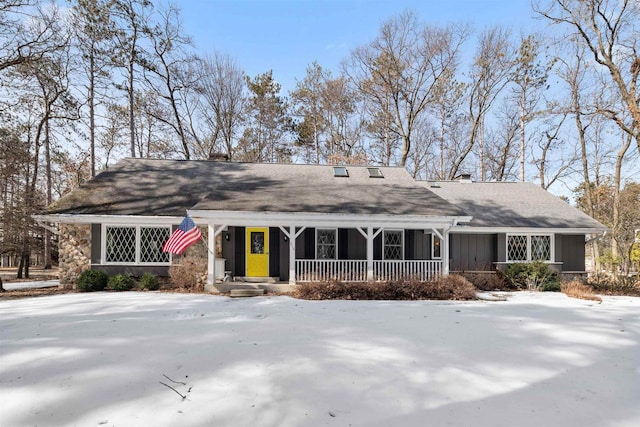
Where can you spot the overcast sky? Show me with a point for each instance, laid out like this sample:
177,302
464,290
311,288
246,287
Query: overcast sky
288,35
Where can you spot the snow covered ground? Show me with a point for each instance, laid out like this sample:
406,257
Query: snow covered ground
534,360
32,284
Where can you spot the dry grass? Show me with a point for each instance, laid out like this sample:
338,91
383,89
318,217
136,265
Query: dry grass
578,289
38,292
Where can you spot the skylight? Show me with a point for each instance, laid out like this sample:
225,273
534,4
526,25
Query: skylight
340,172
375,173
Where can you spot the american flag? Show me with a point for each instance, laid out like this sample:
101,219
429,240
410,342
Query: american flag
185,235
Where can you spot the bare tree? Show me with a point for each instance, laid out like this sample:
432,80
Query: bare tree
166,71
610,30
399,70
130,19
221,84
490,73
21,43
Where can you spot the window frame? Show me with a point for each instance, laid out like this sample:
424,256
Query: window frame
434,236
138,241
552,255
384,240
335,231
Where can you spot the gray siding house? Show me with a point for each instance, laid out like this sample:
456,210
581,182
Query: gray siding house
299,223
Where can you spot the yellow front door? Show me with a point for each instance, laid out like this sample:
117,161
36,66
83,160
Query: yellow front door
257,248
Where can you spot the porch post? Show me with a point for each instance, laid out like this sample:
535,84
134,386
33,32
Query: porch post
292,255
211,254
369,254
445,252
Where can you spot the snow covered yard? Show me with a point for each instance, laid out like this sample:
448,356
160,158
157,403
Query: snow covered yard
536,359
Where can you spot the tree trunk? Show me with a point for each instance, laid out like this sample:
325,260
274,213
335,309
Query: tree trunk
522,135
47,233
615,246
92,131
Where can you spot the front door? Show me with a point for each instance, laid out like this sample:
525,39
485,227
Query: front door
257,252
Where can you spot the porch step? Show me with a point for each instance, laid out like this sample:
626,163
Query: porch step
246,292
260,279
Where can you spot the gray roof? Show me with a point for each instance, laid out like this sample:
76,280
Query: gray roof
512,204
170,187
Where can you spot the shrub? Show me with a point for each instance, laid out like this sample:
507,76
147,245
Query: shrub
533,276
578,289
449,287
488,281
621,285
92,281
188,274
149,281
120,283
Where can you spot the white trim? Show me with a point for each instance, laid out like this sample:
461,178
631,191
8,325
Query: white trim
401,244
552,251
322,220
113,219
524,230
335,230
137,227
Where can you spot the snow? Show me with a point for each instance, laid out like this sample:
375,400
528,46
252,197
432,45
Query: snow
535,359
11,286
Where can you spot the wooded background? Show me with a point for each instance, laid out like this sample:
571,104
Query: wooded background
86,85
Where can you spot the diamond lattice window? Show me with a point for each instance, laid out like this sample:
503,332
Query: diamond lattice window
326,244
517,248
151,241
541,248
393,245
121,244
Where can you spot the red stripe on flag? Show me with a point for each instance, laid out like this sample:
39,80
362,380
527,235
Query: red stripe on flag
179,240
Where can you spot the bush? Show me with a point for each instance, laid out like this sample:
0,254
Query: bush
92,281
120,283
578,289
488,281
533,276
621,285
451,287
188,274
149,281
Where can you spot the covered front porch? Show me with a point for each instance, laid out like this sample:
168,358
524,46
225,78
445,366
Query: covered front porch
295,248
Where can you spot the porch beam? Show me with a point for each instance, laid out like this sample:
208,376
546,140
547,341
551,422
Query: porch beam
370,238
445,251
292,255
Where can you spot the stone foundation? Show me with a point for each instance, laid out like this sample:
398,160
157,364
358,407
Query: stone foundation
74,252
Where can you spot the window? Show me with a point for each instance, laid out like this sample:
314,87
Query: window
151,241
528,247
121,244
375,173
340,172
436,247
393,245
127,244
326,244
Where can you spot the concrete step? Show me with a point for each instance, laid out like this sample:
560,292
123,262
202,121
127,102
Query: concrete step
246,292
260,279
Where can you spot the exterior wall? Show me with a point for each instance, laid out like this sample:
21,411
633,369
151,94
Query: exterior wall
74,251
473,252
572,251
197,250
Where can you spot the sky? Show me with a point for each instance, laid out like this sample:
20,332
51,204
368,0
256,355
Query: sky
286,36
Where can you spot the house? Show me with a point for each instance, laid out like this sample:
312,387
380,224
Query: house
300,223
